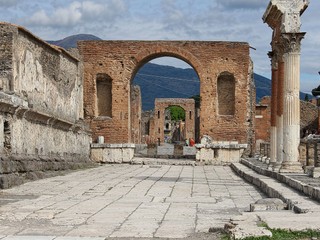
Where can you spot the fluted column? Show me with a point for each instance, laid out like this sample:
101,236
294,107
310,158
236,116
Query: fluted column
273,129
291,110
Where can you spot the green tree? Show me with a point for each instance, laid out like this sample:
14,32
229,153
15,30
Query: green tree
306,98
177,113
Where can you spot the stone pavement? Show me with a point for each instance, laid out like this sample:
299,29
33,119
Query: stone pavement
117,201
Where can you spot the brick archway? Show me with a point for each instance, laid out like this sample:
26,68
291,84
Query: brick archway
122,59
161,104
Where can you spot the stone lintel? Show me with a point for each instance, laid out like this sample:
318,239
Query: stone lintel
11,100
14,105
285,12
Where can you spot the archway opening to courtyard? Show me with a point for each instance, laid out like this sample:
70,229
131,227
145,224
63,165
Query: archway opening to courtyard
172,83
174,129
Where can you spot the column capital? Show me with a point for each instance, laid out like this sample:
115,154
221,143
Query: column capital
291,42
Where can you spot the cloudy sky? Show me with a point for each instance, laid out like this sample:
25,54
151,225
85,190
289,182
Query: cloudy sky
209,20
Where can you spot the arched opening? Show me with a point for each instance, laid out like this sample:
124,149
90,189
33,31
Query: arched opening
164,77
226,94
104,95
175,125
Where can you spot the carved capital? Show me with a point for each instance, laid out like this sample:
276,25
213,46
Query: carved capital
291,42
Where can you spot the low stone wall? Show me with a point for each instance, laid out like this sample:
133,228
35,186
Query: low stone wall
112,153
34,145
219,153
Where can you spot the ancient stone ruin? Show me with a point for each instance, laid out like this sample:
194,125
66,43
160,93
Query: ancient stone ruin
58,111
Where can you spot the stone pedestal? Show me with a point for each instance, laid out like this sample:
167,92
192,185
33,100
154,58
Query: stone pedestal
112,153
220,153
315,172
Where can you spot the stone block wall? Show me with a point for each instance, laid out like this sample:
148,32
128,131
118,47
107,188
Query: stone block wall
41,127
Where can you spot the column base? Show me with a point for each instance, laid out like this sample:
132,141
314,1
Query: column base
291,168
274,166
315,172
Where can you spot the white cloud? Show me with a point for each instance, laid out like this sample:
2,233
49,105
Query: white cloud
77,13
210,20
61,17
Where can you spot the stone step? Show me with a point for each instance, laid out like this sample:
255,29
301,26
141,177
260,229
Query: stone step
295,201
268,204
300,182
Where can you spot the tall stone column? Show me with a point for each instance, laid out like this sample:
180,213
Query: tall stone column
273,129
279,118
291,110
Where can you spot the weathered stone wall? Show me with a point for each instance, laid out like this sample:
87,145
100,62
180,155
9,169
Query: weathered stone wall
46,77
161,104
6,56
41,132
308,117
122,59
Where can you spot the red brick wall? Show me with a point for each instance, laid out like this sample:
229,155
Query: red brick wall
262,120
308,118
122,59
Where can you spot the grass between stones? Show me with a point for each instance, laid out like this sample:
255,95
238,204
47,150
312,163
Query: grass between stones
281,234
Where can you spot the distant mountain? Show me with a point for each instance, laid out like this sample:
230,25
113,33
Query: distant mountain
71,41
158,81
263,88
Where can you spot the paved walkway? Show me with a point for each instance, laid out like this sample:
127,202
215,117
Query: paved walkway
125,201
